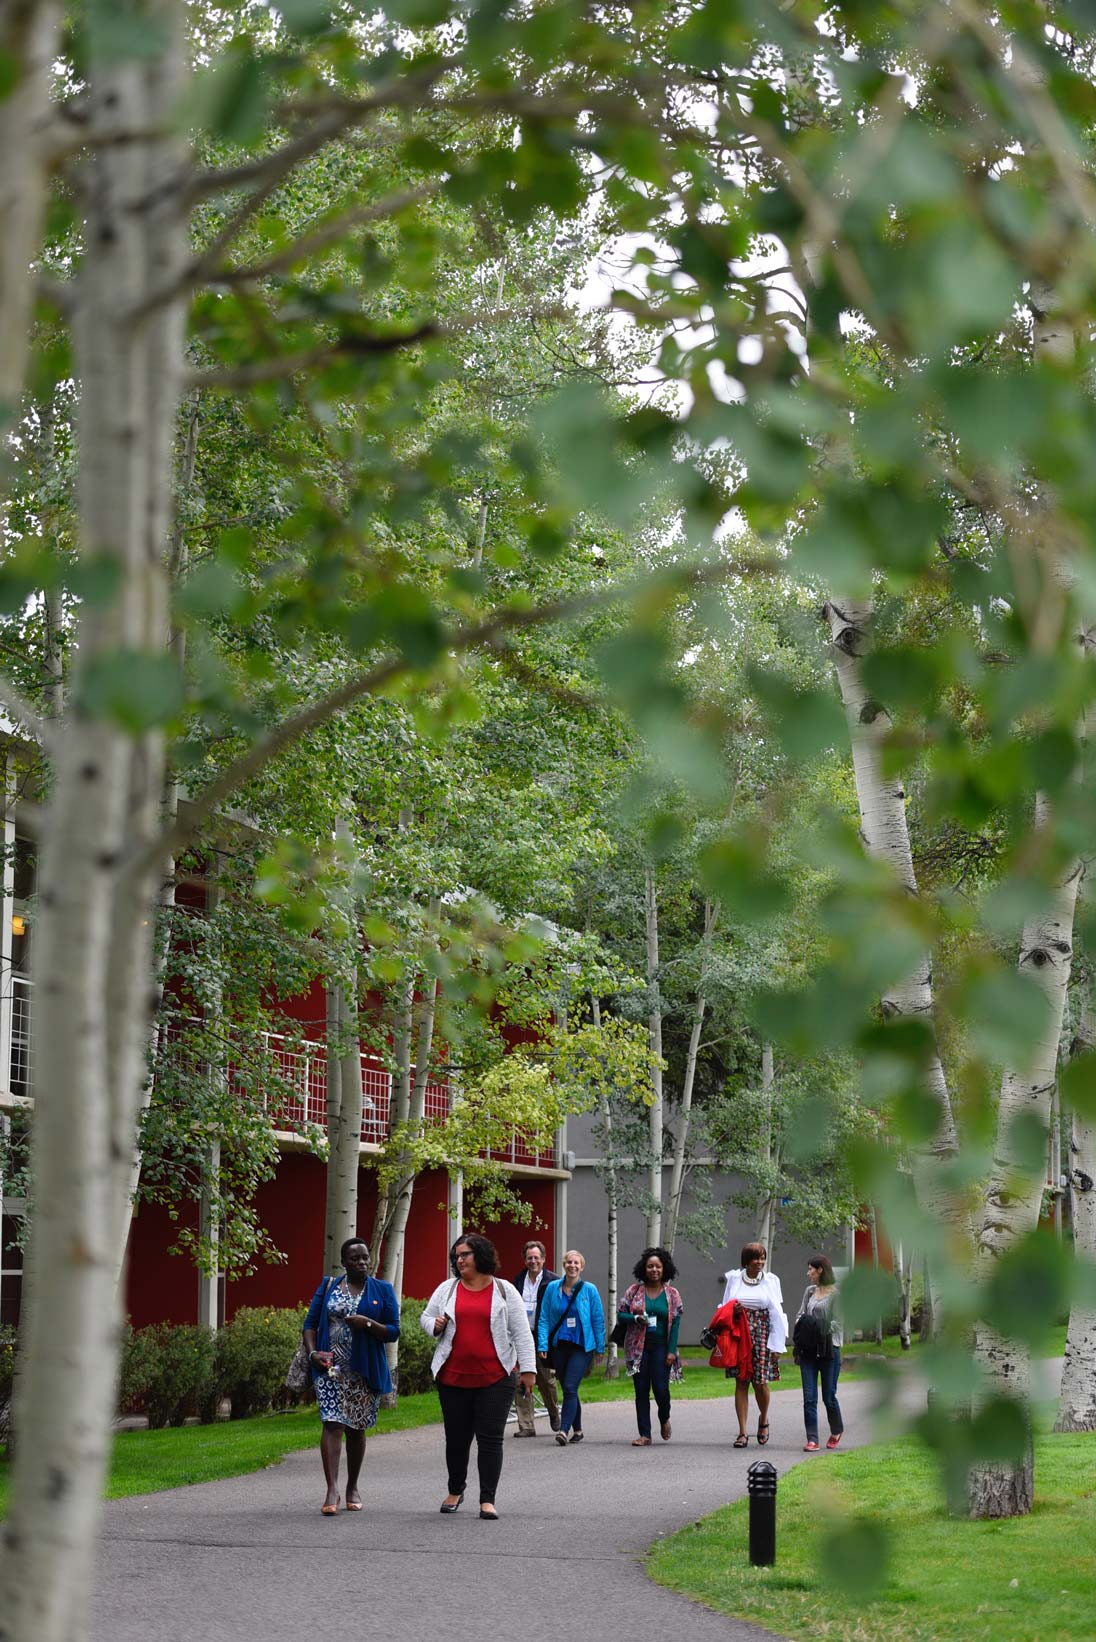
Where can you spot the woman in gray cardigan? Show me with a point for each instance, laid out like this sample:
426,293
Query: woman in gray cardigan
817,1338
482,1334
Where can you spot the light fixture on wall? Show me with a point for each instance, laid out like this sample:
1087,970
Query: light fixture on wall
18,924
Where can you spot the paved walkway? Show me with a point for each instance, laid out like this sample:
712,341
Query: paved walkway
252,1557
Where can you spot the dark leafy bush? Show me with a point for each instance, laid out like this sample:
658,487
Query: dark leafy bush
416,1350
166,1372
253,1353
7,1379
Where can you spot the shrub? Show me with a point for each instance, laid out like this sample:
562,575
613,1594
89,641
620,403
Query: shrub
7,1379
253,1353
166,1370
416,1350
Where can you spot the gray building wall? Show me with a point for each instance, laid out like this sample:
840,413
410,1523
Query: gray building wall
700,1278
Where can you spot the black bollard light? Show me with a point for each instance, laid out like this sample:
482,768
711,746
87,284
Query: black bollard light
761,1487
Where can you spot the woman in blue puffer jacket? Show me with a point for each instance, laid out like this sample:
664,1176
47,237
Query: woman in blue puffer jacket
570,1330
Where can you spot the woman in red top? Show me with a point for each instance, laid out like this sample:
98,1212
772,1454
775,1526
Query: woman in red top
482,1332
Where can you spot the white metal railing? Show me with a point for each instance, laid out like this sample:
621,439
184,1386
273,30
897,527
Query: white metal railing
21,1053
299,1100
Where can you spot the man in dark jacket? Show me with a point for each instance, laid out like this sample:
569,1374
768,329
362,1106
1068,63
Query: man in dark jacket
531,1283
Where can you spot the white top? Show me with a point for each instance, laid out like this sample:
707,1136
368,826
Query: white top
510,1329
529,1293
764,1295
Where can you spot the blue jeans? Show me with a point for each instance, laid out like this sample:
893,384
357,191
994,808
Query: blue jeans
653,1374
571,1364
826,1369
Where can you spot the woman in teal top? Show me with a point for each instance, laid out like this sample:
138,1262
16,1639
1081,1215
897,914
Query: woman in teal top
571,1328
652,1307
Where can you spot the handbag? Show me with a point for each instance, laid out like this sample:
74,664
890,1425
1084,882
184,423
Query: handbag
620,1332
562,1320
811,1338
299,1373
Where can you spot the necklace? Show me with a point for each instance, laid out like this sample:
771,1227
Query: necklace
753,1281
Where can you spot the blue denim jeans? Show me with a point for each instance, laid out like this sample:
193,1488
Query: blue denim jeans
826,1369
653,1374
571,1363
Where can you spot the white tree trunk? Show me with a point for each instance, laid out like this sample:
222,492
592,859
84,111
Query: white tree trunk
96,914
905,1292
873,1228
392,1270
29,39
399,1108
768,1205
684,1116
345,1101
178,561
655,1114
1013,1194
883,825
612,1281
1077,1401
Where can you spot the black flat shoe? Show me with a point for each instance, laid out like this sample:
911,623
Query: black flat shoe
488,1516
447,1510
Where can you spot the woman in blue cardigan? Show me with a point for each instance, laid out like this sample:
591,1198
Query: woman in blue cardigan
571,1327
349,1322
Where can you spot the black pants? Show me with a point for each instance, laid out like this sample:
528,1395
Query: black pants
653,1374
475,1411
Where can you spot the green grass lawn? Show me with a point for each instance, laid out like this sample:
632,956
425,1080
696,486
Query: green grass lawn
1030,1578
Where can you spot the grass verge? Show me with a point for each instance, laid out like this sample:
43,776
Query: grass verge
942,1580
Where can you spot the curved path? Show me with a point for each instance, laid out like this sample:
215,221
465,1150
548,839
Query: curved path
251,1556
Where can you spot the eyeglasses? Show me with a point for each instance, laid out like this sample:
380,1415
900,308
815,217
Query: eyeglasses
464,1254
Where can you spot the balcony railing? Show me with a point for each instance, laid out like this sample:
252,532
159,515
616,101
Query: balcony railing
21,1058
296,1094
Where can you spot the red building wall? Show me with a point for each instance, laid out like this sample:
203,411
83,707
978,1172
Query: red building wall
161,1287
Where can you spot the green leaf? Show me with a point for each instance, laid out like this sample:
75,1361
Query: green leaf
10,73
1029,1288
211,589
807,722
1026,1143
1077,1083
138,689
853,1559
866,1294
811,1137
1006,1013
735,873
306,17
234,97
120,31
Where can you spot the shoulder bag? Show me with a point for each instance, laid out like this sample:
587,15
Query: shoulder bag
562,1320
299,1373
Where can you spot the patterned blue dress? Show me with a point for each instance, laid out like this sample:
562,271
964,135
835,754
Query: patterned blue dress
342,1395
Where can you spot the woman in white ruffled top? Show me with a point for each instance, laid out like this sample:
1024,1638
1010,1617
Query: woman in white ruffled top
758,1293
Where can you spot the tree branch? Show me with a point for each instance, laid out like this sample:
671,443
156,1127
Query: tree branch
22,711
332,119
318,240
172,839
357,343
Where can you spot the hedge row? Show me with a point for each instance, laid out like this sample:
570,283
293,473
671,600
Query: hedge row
172,1372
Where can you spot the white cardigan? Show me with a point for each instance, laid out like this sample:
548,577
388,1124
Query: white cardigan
509,1326
765,1292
